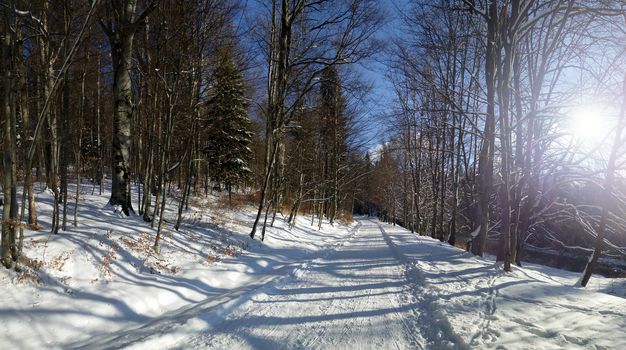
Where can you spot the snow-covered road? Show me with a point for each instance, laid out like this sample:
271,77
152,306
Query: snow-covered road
385,288
355,295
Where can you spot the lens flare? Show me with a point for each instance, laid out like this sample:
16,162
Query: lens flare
587,124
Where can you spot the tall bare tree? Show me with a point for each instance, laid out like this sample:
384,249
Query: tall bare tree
120,24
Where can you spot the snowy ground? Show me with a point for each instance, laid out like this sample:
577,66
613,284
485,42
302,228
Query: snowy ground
367,285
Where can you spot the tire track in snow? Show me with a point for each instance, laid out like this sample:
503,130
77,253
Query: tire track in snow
347,329
219,306
426,315
246,309
344,300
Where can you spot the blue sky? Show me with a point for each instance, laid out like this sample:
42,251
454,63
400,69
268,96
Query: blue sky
376,71
373,70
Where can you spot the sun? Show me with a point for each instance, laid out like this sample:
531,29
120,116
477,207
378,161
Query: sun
587,124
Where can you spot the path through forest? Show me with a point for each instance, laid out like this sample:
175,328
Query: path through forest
383,287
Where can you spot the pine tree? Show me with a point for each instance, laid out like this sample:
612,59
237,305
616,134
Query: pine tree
229,128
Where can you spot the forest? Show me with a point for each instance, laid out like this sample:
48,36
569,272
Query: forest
500,129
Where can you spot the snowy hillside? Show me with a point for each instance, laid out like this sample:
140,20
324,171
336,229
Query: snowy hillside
367,285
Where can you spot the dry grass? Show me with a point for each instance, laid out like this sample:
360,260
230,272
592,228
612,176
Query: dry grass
238,200
286,208
59,261
142,244
461,242
109,257
231,251
34,227
212,258
35,242
33,264
26,276
29,270
345,217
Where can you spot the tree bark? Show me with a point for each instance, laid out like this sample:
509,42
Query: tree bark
121,35
122,114
9,208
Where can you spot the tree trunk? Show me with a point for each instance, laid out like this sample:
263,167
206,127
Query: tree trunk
120,34
26,132
122,113
9,208
487,149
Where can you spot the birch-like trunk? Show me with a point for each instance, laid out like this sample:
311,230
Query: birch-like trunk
121,47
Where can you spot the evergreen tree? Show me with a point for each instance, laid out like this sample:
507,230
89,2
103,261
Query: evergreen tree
229,128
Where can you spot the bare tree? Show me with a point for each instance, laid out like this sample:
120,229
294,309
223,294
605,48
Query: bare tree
120,25
332,33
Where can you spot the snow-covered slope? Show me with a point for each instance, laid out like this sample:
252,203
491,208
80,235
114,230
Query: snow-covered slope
475,302
102,276
368,285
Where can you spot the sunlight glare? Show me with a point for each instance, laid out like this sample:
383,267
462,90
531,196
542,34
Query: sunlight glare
586,124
